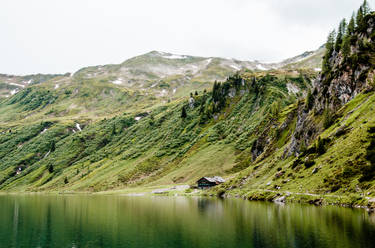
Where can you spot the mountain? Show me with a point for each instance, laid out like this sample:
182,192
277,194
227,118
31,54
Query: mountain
136,86
119,112
174,72
161,74
297,132
329,148
156,147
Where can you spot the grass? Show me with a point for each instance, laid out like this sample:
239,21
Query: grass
117,154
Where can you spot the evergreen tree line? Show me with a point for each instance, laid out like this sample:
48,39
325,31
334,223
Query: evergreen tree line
345,35
214,104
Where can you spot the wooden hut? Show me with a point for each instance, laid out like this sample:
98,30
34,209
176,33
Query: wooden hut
207,182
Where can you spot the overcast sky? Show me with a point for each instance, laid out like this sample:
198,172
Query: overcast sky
51,36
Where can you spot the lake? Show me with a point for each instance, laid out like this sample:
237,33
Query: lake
146,221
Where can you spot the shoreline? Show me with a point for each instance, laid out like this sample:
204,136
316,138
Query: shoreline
281,197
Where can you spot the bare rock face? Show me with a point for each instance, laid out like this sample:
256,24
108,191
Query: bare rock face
349,75
258,148
304,132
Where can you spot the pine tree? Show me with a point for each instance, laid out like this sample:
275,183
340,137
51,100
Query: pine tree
50,168
331,42
340,35
365,8
113,130
66,180
183,113
329,50
196,93
351,26
52,146
346,46
360,19
309,100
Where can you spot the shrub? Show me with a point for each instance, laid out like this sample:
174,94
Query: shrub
309,163
309,101
50,168
327,119
320,146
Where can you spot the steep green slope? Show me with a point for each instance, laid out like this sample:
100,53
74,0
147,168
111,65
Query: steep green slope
160,148
289,134
330,152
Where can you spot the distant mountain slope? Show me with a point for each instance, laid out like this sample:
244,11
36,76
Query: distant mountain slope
307,60
137,85
155,67
10,85
162,74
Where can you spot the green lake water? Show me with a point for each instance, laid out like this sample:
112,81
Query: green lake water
124,221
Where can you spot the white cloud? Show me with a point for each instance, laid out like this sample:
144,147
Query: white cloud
53,36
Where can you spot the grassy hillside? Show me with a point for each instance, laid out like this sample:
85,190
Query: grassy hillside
160,148
162,119
330,153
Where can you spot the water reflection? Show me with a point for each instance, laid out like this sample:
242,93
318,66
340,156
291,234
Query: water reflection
118,221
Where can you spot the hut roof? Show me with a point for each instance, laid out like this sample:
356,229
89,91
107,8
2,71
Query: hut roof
214,179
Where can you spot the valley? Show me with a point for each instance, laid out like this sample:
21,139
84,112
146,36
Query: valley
273,131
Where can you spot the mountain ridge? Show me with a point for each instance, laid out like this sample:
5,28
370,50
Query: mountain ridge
207,69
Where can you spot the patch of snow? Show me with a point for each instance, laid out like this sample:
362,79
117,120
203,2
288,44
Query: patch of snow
137,118
303,58
236,67
292,88
174,90
317,69
44,130
117,81
261,67
175,56
78,127
47,154
208,61
19,85
13,92
161,53
164,91
152,86
57,86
